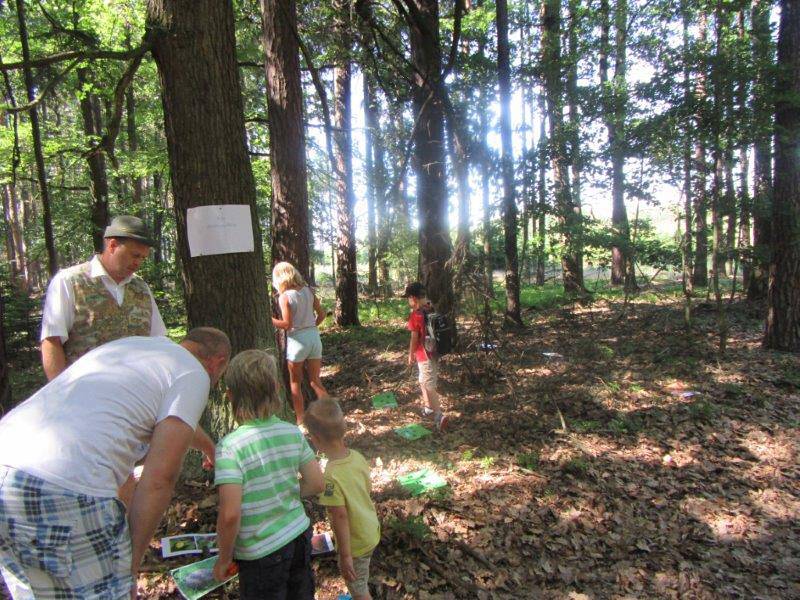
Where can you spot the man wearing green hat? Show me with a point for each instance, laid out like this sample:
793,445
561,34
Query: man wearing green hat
100,300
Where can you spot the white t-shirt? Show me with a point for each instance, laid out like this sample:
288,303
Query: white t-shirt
301,303
84,430
58,314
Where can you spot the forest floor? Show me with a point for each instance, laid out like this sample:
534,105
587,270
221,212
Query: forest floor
676,475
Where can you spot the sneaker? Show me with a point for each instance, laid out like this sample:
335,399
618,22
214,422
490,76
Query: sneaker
426,412
441,421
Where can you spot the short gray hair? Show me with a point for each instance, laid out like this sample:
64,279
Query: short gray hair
210,342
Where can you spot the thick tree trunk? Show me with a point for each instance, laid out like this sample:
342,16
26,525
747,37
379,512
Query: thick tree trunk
486,207
512,312
783,303
575,159
346,275
700,168
194,49
762,49
287,151
36,134
568,212
96,161
434,234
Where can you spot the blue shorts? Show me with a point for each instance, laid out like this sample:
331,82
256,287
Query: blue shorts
303,344
56,543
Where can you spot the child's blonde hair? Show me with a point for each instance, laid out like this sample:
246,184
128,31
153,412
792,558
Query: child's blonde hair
252,378
324,418
284,275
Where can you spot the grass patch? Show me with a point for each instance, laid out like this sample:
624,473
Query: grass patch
414,527
586,426
577,467
703,411
528,460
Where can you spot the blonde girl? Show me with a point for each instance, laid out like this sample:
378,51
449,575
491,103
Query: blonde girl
301,313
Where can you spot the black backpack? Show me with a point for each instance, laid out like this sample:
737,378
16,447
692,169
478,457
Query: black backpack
438,334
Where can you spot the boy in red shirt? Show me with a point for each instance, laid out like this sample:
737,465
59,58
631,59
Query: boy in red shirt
428,365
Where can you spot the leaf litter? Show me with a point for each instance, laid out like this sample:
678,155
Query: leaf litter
676,475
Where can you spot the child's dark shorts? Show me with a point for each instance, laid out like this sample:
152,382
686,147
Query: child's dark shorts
282,575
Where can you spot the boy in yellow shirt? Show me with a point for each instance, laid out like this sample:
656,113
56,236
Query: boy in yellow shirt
346,496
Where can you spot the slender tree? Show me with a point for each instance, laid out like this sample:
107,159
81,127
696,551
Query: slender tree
568,212
93,128
686,244
762,48
287,151
512,312
36,134
700,168
429,143
346,275
783,305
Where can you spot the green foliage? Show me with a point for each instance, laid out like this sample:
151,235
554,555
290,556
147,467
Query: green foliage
528,460
414,527
586,426
703,411
577,467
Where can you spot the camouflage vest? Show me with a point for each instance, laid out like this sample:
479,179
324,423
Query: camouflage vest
98,317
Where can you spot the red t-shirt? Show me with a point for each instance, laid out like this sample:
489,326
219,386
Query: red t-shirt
416,322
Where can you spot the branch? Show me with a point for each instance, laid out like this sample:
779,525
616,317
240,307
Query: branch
38,100
451,59
70,55
107,142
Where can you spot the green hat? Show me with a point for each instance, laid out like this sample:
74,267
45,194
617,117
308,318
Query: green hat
128,226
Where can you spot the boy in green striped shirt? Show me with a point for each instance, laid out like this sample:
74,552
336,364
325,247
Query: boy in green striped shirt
261,521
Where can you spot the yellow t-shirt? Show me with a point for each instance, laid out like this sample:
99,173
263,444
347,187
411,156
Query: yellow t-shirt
347,484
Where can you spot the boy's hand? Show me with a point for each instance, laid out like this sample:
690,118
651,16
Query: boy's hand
224,569
410,360
346,568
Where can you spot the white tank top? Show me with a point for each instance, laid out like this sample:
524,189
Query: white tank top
301,303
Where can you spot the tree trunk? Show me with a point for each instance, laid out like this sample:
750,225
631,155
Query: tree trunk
783,304
700,200
434,235
542,194
686,246
378,176
194,49
616,101
346,275
487,210
5,379
133,143
512,313
568,213
762,49
369,173
41,173
574,117
93,129
287,151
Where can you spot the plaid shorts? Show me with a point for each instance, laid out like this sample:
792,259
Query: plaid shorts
58,544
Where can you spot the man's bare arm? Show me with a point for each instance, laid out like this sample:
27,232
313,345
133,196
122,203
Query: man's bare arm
54,360
168,445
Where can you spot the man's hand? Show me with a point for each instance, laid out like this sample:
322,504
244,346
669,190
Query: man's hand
346,568
410,360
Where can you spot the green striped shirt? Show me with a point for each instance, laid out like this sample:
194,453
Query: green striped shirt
264,456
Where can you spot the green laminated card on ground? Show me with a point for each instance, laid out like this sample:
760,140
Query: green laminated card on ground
422,481
384,400
412,432
196,580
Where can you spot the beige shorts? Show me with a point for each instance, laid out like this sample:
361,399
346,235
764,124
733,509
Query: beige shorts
359,587
429,373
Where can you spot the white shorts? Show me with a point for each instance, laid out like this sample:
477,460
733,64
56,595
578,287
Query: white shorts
303,344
